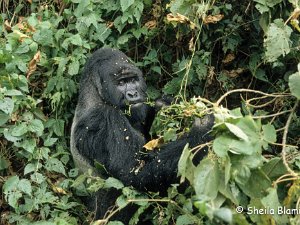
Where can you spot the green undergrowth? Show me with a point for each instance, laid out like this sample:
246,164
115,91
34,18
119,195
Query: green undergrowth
236,60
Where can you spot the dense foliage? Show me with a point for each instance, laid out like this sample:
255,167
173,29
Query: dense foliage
238,58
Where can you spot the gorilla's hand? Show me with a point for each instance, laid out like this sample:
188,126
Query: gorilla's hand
139,112
203,125
166,100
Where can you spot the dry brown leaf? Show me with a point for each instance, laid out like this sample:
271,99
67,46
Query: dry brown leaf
21,35
59,190
7,25
32,64
191,44
109,24
228,58
150,24
212,19
153,144
30,1
178,18
233,73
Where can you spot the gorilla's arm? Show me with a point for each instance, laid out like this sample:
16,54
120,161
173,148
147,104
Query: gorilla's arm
106,135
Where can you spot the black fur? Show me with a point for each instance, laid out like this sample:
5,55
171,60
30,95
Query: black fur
102,132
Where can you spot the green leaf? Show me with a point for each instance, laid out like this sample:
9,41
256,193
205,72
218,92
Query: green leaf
44,37
3,118
156,69
224,214
50,141
12,195
184,220
58,127
19,130
7,105
257,184
121,201
3,163
30,168
125,4
113,183
53,164
277,42
115,223
271,202
170,135
274,168
73,68
294,84
103,32
237,131
36,126
269,133
25,186
76,40
206,180
28,144
186,167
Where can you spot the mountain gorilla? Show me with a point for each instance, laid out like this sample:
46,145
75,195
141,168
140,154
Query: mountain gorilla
102,132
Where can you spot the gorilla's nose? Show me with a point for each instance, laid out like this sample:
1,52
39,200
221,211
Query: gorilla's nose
132,95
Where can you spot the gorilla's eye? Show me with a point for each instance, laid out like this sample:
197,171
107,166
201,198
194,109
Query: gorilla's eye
134,79
121,82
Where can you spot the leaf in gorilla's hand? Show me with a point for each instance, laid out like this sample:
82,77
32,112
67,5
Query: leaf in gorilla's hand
153,144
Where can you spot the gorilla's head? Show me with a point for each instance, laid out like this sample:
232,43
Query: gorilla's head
116,79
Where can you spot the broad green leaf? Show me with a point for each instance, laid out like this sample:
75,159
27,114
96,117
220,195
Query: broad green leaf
3,118
206,180
185,220
76,40
53,164
269,133
44,37
268,3
58,127
277,42
13,93
257,184
36,126
9,189
125,4
3,163
115,223
223,214
294,84
121,201
186,167
274,168
271,201
113,183
50,141
103,32
19,130
237,131
7,105
25,186
30,168
28,144
73,68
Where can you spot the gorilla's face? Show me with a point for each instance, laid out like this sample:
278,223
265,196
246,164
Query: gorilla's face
123,84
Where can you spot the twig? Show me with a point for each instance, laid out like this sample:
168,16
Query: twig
285,132
248,90
271,115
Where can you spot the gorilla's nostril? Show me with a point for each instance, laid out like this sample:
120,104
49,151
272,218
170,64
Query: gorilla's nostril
132,94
